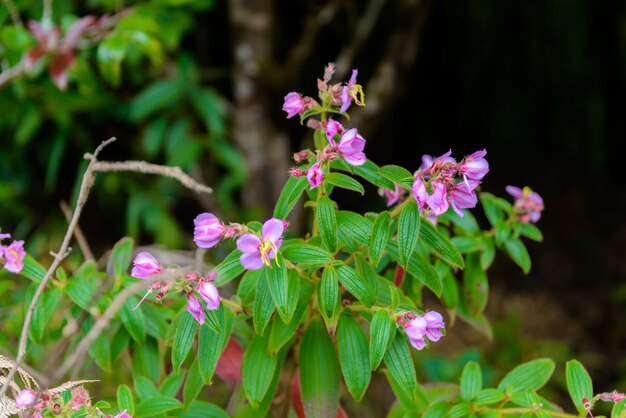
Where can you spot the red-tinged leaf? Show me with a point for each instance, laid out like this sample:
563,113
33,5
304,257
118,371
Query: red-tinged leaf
75,31
58,68
229,365
296,398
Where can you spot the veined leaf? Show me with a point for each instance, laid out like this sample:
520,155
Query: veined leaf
278,285
135,322
532,375
440,245
125,399
183,339
397,174
289,195
157,405
193,384
419,268
579,384
344,181
328,291
516,249
408,231
229,268
471,380
400,364
257,369
381,232
263,306
307,254
353,356
356,285
369,171
382,333
475,285
327,223
354,229
211,344
121,256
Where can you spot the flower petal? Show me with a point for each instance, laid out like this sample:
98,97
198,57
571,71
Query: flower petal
249,243
251,261
273,230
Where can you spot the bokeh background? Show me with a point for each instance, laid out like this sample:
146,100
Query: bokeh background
539,84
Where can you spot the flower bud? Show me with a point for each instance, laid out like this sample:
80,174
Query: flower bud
145,265
296,172
209,293
194,307
302,155
208,230
315,175
293,104
25,398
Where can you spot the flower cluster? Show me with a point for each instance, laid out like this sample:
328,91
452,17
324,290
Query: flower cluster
28,399
207,291
12,254
441,182
259,251
419,327
528,204
335,99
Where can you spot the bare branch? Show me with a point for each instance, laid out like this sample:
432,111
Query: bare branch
78,233
362,31
11,74
147,168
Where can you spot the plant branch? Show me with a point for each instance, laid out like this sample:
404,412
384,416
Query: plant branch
15,16
11,74
78,233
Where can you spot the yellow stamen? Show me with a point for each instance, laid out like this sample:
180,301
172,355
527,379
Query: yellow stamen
265,248
527,191
356,92
13,253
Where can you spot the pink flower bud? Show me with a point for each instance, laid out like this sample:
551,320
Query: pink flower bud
437,200
420,193
208,230
321,85
293,104
25,398
315,175
194,307
474,166
145,265
351,148
333,128
434,325
416,331
212,276
314,124
296,172
123,414
302,155
209,293
192,276
329,70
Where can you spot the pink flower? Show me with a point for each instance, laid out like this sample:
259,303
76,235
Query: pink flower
315,175
123,414
528,204
445,158
392,195
474,166
194,307
293,104
333,128
352,91
14,256
434,325
437,200
427,161
416,331
209,293
420,193
462,197
208,230
351,148
145,265
257,252
25,398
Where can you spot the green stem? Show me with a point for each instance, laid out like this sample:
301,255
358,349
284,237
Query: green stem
511,411
235,307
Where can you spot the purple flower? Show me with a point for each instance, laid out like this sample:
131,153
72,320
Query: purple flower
315,175
474,166
25,398
437,201
392,195
346,96
434,325
462,197
416,331
123,414
257,252
14,256
420,193
333,128
293,104
351,148
194,307
145,265
427,162
528,204
208,230
209,293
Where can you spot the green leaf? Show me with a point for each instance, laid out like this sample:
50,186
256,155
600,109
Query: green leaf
381,232
201,409
111,52
356,285
354,229
516,249
382,333
293,293
100,350
212,320
229,268
475,286
193,384
121,256
436,410
327,223
450,294
344,181
328,291
408,230
172,383
257,369
579,384
247,286
319,373
125,399
289,196
397,174
307,254
494,213
158,95
32,269
419,268
532,375
531,231
212,344
183,339
157,405
369,171
353,356
400,364
145,389
281,333
263,305
146,361
135,322
471,381
460,410
488,396
278,285
488,254
619,409
440,246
